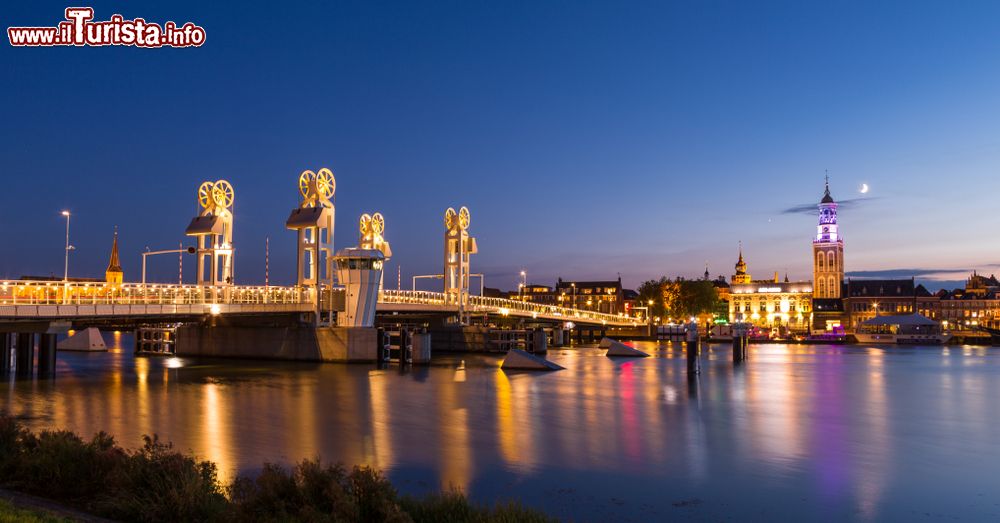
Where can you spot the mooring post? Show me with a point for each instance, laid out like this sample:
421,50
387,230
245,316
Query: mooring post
744,344
693,356
737,332
47,355
25,360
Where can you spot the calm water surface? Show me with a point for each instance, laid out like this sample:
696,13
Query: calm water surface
799,432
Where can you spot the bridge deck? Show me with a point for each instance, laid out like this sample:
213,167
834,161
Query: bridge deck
76,300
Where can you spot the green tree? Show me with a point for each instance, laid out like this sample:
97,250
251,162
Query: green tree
652,290
685,298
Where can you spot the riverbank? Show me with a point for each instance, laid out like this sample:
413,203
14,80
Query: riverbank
156,483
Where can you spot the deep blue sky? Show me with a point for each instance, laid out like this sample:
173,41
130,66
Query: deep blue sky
587,138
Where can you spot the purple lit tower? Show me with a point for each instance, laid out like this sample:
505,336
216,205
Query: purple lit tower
828,250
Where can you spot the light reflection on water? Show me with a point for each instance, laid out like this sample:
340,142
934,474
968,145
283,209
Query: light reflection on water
818,432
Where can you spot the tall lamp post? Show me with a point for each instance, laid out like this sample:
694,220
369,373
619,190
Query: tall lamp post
68,248
524,283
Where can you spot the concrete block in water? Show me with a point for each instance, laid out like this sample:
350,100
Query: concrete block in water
517,359
620,349
88,339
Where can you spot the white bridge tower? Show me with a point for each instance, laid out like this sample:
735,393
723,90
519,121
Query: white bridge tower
313,219
458,247
214,229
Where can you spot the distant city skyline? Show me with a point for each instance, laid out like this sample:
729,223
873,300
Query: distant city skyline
587,140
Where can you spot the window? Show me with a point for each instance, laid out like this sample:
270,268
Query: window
819,260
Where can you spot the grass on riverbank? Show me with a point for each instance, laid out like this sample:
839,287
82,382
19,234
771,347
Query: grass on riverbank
11,514
157,483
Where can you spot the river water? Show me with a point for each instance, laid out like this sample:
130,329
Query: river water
799,432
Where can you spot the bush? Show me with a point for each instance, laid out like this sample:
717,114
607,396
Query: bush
454,506
156,483
312,492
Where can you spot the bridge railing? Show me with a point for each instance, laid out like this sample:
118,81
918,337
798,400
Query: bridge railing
501,306
30,292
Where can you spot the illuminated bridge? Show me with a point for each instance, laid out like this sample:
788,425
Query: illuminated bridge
330,314
131,302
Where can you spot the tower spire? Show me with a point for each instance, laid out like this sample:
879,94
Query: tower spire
113,274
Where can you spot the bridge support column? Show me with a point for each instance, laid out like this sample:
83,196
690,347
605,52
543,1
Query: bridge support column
539,341
557,337
47,355
25,360
5,346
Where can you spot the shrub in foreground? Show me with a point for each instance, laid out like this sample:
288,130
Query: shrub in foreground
157,483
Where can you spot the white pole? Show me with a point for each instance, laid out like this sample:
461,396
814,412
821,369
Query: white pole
66,266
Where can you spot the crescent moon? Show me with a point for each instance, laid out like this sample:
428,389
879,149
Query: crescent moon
864,188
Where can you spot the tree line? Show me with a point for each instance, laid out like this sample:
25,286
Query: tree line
678,298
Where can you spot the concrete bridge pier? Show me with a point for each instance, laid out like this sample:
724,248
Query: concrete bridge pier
25,359
5,346
539,341
47,355
557,337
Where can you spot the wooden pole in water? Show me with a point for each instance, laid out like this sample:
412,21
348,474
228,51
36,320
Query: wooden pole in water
693,356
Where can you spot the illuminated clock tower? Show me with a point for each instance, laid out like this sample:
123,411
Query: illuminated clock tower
828,250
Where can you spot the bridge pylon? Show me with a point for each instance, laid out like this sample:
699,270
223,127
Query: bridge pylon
313,220
214,229
372,228
458,248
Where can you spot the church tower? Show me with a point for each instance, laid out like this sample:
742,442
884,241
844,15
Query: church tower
741,276
113,274
828,250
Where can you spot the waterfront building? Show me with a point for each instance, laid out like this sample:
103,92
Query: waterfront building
866,299
630,299
977,305
722,290
769,303
600,296
113,274
536,294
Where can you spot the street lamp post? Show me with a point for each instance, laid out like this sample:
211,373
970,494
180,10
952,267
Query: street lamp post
68,248
524,283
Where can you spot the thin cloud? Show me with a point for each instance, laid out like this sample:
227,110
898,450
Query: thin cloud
811,209
946,274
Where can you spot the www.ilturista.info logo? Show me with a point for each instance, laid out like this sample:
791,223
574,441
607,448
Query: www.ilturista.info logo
78,29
